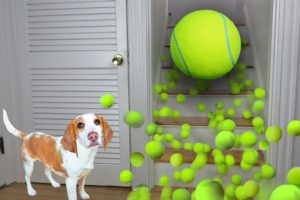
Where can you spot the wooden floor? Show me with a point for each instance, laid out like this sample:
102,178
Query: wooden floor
17,191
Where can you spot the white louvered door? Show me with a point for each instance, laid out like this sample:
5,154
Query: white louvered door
65,57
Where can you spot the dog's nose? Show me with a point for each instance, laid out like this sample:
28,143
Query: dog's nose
93,136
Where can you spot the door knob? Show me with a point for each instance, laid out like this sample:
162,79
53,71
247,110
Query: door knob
118,59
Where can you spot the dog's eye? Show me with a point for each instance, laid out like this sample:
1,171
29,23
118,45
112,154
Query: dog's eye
96,122
80,125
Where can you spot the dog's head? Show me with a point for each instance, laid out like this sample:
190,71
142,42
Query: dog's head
88,130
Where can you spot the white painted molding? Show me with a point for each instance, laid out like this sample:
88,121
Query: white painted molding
140,92
282,92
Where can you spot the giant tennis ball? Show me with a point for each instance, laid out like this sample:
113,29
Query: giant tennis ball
209,190
286,192
155,149
205,44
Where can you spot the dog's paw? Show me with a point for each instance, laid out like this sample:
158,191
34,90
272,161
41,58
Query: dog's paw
55,184
84,195
31,192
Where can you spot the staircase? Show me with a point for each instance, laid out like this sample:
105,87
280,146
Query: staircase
218,91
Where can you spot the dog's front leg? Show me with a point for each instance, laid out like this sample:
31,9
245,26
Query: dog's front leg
82,192
71,184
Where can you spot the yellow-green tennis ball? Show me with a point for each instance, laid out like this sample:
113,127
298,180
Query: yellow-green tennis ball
219,180
251,188
263,145
240,193
258,122
240,75
229,160
226,125
125,177
248,83
164,88
165,112
212,123
260,93
258,106
172,85
205,44
248,139
137,159
166,193
219,159
245,166
176,160
186,127
176,144
238,141
293,176
158,138
273,134
244,41
198,148
134,119
159,130
200,161
154,149
241,67
180,98
247,114
164,181
222,169
257,176
219,105
176,114
201,107
209,190
164,97
230,112
293,128
107,100
193,91
238,102
285,192
236,179
267,171
225,140
169,137
184,134
157,89
206,148
156,114
235,89
250,156
219,117
151,129
188,146
230,191
176,175
187,175
181,194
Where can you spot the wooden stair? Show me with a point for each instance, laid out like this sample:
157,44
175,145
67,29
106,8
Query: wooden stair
189,156
200,121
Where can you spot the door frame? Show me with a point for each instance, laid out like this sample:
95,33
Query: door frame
284,62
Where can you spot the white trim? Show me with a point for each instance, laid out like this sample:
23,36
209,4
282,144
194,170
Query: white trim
140,92
282,92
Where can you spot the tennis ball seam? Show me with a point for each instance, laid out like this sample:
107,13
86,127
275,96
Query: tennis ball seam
180,54
227,40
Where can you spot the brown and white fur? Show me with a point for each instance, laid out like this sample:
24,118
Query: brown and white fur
70,156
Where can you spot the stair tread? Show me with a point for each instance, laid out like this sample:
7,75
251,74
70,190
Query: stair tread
189,156
200,121
168,67
215,92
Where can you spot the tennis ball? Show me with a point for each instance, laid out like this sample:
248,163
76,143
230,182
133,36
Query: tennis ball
198,148
176,144
222,169
181,194
156,114
244,42
200,161
241,67
201,49
176,114
172,85
237,102
151,129
165,112
260,93
245,166
180,98
225,140
155,149
164,88
229,160
107,100
193,91
257,176
247,114
236,179
169,137
258,122
159,130
248,139
134,119
201,107
230,112
293,128
126,177
230,191
285,192
248,83
240,75
250,156
186,127
137,159
188,146
219,105
176,175
158,138
176,160
238,142
187,175
164,97
166,193
267,171
184,134
219,159
209,190
293,176
235,89
258,106
226,125
263,145
219,117
251,188
273,134
164,181
206,148
157,89
240,193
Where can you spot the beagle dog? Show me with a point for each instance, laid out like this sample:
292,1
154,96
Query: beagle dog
70,156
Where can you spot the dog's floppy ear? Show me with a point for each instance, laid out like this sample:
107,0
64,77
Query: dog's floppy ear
69,139
106,131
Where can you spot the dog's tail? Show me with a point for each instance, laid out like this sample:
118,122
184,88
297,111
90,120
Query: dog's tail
11,128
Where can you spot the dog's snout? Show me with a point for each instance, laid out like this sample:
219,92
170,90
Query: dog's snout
93,136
